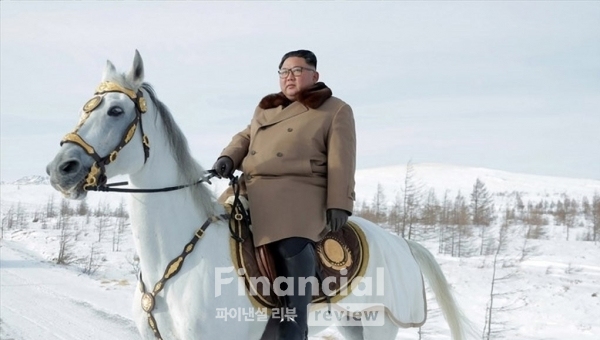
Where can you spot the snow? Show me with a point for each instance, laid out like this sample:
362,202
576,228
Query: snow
556,289
44,301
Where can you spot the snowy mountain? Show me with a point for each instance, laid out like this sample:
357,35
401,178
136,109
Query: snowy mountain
32,180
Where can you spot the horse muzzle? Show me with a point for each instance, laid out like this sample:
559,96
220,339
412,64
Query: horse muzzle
68,172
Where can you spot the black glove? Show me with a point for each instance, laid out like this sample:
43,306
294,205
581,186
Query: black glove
223,167
336,218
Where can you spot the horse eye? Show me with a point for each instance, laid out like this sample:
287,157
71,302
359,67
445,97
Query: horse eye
115,111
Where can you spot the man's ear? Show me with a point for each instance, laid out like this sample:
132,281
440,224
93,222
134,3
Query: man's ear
316,76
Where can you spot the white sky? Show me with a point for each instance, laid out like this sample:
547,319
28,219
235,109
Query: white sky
506,85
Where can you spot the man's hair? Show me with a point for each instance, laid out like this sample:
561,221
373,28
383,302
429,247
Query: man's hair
308,56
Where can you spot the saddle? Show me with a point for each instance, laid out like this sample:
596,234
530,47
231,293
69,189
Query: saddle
342,256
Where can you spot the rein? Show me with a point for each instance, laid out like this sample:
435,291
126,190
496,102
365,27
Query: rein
109,187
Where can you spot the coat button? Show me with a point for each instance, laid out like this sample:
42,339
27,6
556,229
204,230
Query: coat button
279,154
253,152
290,129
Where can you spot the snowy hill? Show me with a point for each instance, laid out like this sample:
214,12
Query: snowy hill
440,177
443,177
552,293
32,180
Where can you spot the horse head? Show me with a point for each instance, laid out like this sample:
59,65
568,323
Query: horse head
109,132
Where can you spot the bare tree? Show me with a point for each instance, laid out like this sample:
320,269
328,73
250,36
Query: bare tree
8,221
379,206
365,211
102,219
410,201
65,207
94,261
120,210
102,223
118,233
102,209
50,209
526,249
20,216
586,207
596,217
519,207
395,215
461,231
445,231
534,220
431,209
560,213
38,216
82,208
66,253
571,211
492,317
481,210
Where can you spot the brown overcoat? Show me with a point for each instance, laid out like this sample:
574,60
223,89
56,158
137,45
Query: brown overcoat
298,159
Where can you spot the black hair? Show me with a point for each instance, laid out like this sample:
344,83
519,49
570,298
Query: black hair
308,56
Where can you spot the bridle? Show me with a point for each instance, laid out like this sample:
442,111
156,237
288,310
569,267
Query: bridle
96,181
96,177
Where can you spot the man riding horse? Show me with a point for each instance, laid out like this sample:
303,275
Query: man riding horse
298,158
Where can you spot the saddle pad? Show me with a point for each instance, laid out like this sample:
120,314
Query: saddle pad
341,257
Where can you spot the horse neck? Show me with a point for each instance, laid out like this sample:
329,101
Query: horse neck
162,223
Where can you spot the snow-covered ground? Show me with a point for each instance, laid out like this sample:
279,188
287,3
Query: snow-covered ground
41,300
556,290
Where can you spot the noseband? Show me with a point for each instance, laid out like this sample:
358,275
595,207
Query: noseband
96,176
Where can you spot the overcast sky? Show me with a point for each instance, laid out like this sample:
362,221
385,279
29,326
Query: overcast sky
513,86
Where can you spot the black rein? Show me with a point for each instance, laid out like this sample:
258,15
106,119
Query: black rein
109,187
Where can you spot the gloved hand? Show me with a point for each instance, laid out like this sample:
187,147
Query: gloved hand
336,218
223,167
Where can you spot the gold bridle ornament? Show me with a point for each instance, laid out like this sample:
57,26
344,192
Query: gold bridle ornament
95,176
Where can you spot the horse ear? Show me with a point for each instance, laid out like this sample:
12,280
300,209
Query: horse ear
109,70
136,74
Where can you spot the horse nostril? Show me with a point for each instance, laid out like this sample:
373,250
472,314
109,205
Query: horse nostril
69,167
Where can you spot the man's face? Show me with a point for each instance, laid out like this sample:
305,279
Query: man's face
292,84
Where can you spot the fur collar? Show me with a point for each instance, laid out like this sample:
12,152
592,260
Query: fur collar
312,97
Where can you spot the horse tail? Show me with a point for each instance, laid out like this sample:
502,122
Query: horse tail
457,321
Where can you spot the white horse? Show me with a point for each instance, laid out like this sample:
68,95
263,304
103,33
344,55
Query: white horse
191,303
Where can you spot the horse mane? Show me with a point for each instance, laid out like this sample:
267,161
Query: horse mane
190,170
